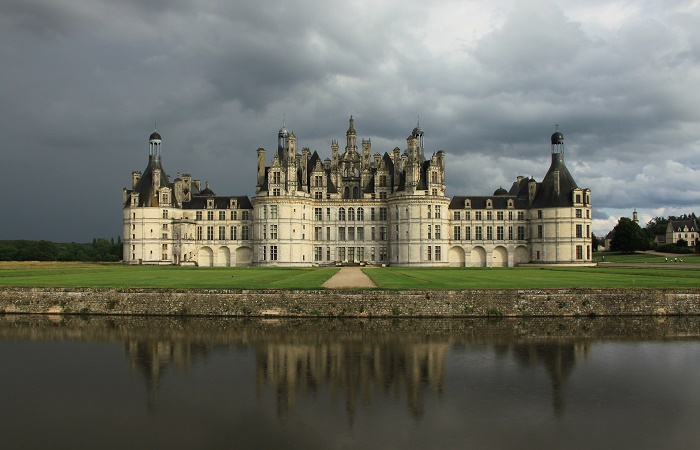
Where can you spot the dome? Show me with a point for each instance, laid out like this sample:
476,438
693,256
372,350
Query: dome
418,131
557,138
155,137
283,131
500,191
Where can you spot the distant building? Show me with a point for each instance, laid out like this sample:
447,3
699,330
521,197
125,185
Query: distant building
682,229
355,207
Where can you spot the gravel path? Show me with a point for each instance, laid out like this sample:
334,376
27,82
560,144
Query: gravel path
349,277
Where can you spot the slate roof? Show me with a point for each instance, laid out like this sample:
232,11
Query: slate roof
220,202
145,188
690,223
479,202
547,195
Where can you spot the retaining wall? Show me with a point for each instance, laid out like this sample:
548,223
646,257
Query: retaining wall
351,303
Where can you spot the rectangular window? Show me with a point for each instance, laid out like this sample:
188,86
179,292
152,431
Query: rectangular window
273,253
521,232
468,233
382,253
588,215
222,233
579,231
588,231
210,233
351,233
341,253
328,233
489,215
437,211
588,252
478,233
372,214
373,237
382,233
234,215
328,214
273,211
328,253
539,213
499,215
468,215
276,192
360,252
437,231
579,252
318,214
457,233
199,233
510,215
430,253
198,215
430,231
318,253
521,215
245,233
234,234
540,233
477,215
438,253
165,236
210,215
578,198
383,213
263,253
273,231
360,233
499,233
165,214
222,215
245,215
489,233
264,231
341,233
510,233
430,211
457,215
579,213
318,233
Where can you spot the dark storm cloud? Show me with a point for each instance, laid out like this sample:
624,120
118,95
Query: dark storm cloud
83,83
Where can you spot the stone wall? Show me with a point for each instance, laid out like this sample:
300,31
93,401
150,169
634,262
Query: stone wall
351,303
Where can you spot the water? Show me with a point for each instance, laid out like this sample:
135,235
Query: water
109,382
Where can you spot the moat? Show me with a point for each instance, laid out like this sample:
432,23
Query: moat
149,382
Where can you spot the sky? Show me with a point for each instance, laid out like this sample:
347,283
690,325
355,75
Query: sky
83,83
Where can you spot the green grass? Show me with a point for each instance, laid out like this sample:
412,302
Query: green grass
651,258
117,275
533,277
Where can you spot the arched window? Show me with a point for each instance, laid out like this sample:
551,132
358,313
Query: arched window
360,213
355,192
351,213
341,214
346,193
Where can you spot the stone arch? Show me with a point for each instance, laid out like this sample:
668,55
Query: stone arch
205,257
223,258
522,256
244,256
499,257
456,256
478,257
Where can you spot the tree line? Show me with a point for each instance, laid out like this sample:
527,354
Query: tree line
629,237
100,250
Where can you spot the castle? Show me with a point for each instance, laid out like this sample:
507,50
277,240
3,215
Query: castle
355,207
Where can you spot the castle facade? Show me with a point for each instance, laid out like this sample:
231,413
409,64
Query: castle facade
355,207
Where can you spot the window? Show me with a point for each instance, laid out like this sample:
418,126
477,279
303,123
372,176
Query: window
351,213
382,195
521,232
318,180
457,233
468,233
430,253
360,214
234,215
244,233
579,213
499,233
165,235
264,231
477,215
328,233
351,233
478,234
318,233
382,233
437,211
245,215
372,235
360,252
430,231
588,231
341,214
165,214
579,252
222,215
276,192
510,233
210,215
578,198
341,253
273,211
360,233
318,214
579,231
489,233
588,215
276,178
499,215
341,233
521,215
489,215
457,215
210,233
437,231
273,253
430,211
318,253
328,253
510,215
273,231
222,233
234,233
328,214
383,213
318,195
468,215
588,252
198,215
199,233
540,234
539,213
382,253
372,214
438,253
263,253
264,212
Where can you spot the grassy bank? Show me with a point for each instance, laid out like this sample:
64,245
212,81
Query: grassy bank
117,275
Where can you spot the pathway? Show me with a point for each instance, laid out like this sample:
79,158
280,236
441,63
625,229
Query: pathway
349,277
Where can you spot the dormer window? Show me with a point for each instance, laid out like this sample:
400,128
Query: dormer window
467,204
510,203
233,203
210,203
489,203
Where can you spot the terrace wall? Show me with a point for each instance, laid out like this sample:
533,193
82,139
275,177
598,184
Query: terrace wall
351,303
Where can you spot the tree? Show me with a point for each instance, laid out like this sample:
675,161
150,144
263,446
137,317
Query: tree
628,237
656,226
682,243
594,242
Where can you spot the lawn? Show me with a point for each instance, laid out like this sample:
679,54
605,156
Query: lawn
117,275
651,258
